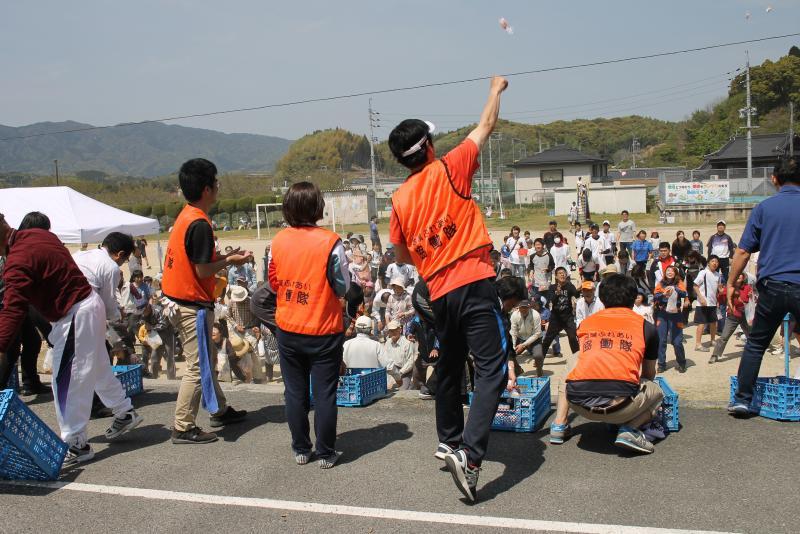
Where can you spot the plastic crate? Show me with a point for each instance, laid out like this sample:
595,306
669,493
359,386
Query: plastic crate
131,378
29,450
359,387
526,412
774,397
670,411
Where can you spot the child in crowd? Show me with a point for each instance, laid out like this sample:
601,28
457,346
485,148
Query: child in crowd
641,307
735,318
587,266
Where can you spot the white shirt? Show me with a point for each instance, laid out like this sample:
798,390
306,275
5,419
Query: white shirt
525,330
134,263
560,256
361,352
514,244
609,237
403,271
103,275
596,246
400,355
645,311
707,284
583,309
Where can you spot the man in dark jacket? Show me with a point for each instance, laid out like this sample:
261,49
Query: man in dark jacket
39,271
722,246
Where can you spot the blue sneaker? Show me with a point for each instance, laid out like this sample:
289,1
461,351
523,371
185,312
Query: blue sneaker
559,433
633,440
738,409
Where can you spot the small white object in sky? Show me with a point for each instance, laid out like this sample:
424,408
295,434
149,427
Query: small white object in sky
769,8
505,26
747,16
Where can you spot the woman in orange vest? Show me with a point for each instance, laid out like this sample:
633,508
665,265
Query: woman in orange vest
308,272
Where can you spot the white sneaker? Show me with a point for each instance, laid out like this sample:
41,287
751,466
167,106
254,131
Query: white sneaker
78,455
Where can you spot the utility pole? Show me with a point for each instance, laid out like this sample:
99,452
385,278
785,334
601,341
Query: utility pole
634,150
374,122
791,128
540,142
748,113
55,161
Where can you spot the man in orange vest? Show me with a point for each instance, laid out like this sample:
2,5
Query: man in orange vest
188,280
437,226
613,379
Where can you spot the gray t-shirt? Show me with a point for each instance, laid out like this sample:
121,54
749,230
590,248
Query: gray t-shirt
626,231
541,264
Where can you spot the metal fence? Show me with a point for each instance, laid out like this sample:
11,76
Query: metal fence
741,189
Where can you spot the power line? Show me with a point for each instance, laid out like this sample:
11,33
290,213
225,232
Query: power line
410,87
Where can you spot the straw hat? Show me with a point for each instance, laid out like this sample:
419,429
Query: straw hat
238,294
240,346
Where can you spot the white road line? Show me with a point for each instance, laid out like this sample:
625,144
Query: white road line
356,511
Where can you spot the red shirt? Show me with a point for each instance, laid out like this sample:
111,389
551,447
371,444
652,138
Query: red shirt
462,162
40,272
742,297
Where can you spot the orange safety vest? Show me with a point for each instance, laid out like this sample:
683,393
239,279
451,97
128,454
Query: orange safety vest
180,280
439,224
306,302
612,347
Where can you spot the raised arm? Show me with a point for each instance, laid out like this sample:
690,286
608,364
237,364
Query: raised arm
488,118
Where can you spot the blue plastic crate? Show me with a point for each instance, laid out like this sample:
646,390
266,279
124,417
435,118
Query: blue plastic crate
131,378
670,411
359,387
774,397
526,412
29,450
13,380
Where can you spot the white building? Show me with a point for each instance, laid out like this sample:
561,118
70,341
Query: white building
557,167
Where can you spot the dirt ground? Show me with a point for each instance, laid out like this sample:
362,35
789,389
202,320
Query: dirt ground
702,383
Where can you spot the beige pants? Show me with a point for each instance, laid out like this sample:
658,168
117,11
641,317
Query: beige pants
646,401
189,393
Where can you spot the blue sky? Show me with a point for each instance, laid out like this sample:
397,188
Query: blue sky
106,62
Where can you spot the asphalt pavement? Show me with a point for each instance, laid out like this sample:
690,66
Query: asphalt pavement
716,474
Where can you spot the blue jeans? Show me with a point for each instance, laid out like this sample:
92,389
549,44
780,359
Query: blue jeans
668,330
775,300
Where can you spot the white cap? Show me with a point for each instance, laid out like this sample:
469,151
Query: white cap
606,222
364,322
393,325
238,294
421,143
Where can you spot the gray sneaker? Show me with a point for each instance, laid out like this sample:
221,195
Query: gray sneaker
443,450
123,424
330,461
702,348
464,475
633,440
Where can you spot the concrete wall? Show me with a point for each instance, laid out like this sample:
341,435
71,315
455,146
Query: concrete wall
529,185
348,207
605,199
710,213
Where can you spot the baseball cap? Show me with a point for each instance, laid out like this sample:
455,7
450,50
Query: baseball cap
606,222
363,322
398,281
393,325
525,303
722,221
416,147
389,245
609,269
587,284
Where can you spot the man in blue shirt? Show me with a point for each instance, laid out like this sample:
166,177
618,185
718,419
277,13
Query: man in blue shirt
778,273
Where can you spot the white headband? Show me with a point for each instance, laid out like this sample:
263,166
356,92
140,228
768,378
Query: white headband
421,143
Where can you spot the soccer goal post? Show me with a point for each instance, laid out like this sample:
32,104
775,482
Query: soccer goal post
266,218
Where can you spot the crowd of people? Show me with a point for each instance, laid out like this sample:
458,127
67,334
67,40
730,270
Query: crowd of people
440,308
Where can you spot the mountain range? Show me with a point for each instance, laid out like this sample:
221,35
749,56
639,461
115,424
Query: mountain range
144,150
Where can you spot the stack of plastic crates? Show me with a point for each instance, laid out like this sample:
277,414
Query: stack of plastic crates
775,397
359,387
670,412
131,378
524,412
29,450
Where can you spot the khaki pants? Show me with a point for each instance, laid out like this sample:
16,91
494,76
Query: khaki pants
646,401
189,393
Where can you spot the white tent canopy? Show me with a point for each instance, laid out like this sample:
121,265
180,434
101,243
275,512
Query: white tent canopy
75,218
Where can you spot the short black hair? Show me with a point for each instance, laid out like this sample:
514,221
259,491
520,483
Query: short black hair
539,240
594,227
505,272
404,136
787,170
640,232
586,254
512,287
560,269
494,253
515,227
625,212
35,219
623,254
664,244
118,242
695,232
712,257
303,204
136,274
618,291
195,175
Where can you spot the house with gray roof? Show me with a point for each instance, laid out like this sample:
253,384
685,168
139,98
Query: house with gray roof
557,167
767,148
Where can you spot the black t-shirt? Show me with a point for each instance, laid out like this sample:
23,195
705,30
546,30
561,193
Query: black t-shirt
199,242
561,297
600,392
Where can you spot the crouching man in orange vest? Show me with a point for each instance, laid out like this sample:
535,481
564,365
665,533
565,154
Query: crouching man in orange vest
188,280
613,379
437,226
